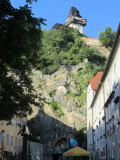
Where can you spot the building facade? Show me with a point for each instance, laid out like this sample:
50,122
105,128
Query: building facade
103,123
91,90
11,141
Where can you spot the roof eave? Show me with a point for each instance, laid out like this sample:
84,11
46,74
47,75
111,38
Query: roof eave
112,53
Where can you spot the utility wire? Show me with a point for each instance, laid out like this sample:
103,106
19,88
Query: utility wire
90,7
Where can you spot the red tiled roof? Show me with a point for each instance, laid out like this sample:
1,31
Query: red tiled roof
94,82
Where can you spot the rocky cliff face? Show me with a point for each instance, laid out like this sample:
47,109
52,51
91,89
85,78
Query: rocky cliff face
56,87
60,87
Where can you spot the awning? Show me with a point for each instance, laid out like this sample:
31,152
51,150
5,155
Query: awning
76,151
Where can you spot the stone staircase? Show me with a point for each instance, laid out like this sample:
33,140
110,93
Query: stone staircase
95,43
55,82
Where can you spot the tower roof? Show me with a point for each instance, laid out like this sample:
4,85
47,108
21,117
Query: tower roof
57,26
74,12
75,18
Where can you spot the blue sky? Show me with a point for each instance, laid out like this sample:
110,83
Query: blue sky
99,13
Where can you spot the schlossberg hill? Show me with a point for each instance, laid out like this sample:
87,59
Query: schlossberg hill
64,47
67,65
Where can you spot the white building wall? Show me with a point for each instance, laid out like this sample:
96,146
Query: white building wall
10,135
90,95
112,110
77,26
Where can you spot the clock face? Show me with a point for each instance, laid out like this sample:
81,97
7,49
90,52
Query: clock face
76,13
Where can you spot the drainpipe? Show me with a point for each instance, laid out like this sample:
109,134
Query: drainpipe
24,151
92,126
25,133
92,130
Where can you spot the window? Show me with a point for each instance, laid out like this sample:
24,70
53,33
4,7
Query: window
117,111
107,131
41,150
7,139
16,121
15,141
107,114
103,127
112,108
115,73
97,133
113,127
101,130
0,137
11,141
20,143
117,103
108,111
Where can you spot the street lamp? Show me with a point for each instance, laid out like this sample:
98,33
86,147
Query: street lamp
2,144
24,133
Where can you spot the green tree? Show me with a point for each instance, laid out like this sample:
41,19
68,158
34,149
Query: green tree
20,43
81,138
56,108
62,46
96,63
107,37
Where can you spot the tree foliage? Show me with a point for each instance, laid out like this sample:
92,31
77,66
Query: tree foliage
22,49
64,46
19,51
57,108
61,46
96,63
81,138
107,37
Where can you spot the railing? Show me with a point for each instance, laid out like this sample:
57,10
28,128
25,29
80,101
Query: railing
69,108
61,82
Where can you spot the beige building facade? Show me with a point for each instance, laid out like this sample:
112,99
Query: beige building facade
11,141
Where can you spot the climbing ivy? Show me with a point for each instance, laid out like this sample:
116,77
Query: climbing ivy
56,108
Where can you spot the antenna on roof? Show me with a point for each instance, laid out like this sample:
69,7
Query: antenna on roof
98,32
